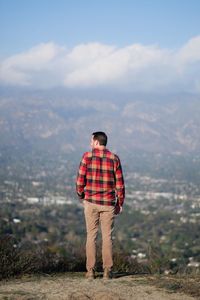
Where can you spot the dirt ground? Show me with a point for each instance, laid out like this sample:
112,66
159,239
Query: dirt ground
75,286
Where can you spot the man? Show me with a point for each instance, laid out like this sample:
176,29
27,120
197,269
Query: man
100,185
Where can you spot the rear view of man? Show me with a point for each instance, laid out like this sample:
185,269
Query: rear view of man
100,185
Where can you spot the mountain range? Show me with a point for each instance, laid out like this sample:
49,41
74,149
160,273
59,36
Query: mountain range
61,121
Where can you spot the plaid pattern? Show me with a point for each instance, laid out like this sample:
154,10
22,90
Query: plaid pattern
100,178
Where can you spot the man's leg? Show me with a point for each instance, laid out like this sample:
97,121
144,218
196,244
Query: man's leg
92,224
107,226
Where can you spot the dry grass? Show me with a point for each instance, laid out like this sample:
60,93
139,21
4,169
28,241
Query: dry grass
187,284
68,286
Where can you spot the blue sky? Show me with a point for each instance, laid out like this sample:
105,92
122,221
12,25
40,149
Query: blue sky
46,37
25,23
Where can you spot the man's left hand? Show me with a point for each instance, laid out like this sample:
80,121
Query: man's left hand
118,210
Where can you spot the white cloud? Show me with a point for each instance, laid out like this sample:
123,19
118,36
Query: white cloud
26,68
135,67
190,52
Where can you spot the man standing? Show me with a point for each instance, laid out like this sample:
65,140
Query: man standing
100,185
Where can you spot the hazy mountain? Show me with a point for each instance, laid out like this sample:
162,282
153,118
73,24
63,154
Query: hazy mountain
60,121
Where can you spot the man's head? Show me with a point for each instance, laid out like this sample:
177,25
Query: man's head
99,139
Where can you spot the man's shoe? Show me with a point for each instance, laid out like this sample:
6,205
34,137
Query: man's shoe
90,274
107,274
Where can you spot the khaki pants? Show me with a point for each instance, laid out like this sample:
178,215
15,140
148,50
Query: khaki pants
94,214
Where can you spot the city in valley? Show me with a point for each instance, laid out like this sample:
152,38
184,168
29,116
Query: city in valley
161,212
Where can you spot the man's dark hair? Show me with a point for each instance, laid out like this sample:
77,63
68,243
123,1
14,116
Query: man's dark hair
101,137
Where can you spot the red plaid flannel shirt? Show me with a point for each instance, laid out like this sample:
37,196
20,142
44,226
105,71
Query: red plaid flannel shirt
100,178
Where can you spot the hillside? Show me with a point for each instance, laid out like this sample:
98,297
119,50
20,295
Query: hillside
74,287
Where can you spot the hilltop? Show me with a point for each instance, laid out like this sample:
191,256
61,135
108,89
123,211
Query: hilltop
75,286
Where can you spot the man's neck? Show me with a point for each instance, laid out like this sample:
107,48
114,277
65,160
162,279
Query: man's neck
100,147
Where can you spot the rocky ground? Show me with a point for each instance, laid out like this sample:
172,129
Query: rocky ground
74,287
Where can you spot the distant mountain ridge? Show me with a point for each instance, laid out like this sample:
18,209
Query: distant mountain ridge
62,121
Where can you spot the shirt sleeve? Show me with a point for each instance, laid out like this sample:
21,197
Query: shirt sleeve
120,187
81,177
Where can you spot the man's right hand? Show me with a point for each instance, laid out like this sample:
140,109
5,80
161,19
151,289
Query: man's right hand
81,195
